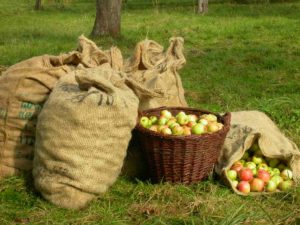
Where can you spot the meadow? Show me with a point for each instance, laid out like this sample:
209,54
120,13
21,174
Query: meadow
239,57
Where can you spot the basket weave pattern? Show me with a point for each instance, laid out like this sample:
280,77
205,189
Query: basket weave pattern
181,159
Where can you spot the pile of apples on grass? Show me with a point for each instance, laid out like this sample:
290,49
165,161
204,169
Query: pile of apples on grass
256,173
181,124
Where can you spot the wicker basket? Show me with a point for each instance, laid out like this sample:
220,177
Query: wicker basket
181,159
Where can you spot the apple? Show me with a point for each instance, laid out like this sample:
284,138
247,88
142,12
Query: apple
162,120
144,121
161,127
263,175
244,187
220,125
276,171
245,156
256,159
174,125
250,165
192,118
242,161
182,120
187,130
271,186
154,128
286,174
281,166
262,166
237,166
203,121
180,114
153,119
259,154
177,130
277,179
171,121
273,162
166,131
166,113
254,171
198,129
212,127
232,174
257,185
191,124
211,117
234,183
285,185
245,174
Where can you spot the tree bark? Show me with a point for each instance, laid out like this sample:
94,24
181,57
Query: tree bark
202,6
108,18
38,5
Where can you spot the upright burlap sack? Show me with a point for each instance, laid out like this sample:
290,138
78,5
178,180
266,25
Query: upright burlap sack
83,132
248,127
157,71
24,87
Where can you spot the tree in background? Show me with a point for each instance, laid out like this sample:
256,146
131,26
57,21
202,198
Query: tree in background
108,18
38,5
202,6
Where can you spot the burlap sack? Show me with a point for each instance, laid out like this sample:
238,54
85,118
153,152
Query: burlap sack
157,71
25,86
83,132
248,127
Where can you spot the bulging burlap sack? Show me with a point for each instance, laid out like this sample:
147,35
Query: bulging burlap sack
157,71
83,132
248,127
24,87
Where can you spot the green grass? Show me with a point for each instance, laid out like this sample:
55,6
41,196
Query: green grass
239,57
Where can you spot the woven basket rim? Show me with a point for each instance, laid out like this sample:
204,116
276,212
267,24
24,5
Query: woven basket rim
184,137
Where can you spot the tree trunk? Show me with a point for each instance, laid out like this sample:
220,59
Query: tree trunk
108,18
38,5
202,6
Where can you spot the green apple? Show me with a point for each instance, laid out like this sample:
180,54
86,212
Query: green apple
210,117
257,160
271,186
255,147
276,171
232,174
285,185
281,166
286,174
250,165
182,119
277,179
145,122
162,120
199,128
153,119
263,166
273,162
203,121
174,125
154,128
234,183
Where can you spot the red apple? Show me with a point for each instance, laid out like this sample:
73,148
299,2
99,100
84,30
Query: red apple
245,174
244,187
263,175
257,185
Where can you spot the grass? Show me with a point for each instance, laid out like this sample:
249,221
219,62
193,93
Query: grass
239,57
